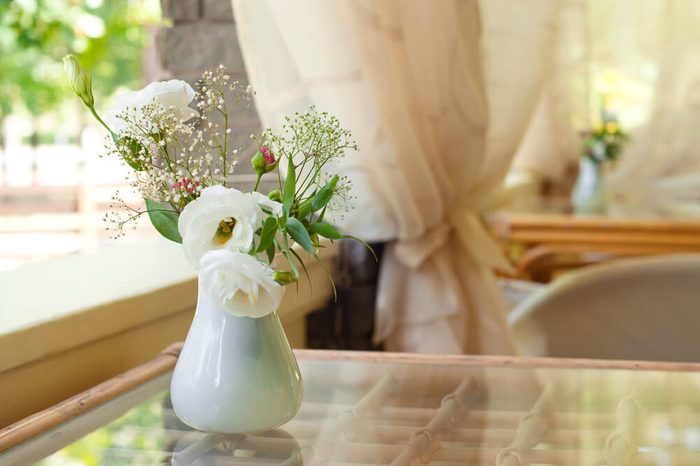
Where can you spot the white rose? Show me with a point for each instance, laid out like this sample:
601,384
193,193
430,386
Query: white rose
239,283
173,93
219,207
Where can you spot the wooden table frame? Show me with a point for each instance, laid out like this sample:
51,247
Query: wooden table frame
47,419
546,237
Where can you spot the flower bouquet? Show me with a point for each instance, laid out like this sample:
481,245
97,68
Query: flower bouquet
236,372
604,142
601,145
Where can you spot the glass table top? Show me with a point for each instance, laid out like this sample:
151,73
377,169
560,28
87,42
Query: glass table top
401,413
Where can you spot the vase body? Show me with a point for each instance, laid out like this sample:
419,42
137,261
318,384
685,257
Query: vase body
235,374
590,195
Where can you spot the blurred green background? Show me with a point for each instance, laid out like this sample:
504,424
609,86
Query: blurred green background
109,38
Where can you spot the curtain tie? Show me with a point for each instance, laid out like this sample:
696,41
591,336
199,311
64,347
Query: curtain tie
471,235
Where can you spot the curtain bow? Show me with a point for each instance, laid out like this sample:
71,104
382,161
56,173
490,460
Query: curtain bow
470,233
424,281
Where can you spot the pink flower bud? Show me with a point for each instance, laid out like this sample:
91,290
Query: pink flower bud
268,156
263,161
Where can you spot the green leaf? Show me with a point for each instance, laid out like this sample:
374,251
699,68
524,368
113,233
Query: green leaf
299,234
289,186
324,195
376,259
314,240
303,266
323,214
304,208
131,149
326,230
267,234
271,252
285,249
330,278
164,221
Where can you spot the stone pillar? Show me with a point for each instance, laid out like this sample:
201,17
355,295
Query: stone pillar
202,35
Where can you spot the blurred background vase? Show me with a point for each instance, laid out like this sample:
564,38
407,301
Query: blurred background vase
235,374
590,193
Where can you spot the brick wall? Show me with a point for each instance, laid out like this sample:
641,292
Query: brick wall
201,36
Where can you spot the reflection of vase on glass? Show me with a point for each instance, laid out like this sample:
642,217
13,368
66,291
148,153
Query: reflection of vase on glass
270,447
601,145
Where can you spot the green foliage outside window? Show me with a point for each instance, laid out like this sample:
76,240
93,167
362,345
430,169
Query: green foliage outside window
108,36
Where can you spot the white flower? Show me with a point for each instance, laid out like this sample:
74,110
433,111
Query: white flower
264,201
200,223
173,94
239,283
222,218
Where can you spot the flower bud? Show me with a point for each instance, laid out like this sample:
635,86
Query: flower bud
283,277
275,195
268,156
263,161
80,81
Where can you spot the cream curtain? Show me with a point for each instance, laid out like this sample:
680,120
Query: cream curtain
643,57
662,164
438,95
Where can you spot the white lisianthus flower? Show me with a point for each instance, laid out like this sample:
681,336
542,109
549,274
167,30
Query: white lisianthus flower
219,218
264,201
222,218
173,94
239,283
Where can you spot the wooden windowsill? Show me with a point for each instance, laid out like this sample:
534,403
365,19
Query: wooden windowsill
89,317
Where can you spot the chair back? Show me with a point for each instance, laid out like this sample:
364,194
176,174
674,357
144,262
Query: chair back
644,309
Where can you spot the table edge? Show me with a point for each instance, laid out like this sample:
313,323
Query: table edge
18,432
523,362
14,434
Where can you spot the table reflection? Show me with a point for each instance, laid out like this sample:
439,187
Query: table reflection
360,413
271,447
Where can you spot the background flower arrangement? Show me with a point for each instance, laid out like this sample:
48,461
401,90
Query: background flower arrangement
182,158
604,142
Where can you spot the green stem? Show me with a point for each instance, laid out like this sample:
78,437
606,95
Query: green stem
257,182
97,117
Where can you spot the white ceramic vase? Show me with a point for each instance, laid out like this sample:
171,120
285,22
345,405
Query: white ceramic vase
590,194
235,374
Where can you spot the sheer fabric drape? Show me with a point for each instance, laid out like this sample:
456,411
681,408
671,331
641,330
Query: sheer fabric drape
642,56
438,95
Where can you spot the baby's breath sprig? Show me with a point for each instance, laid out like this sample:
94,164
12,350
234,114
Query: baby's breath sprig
309,144
313,140
177,151
121,216
174,156
217,97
